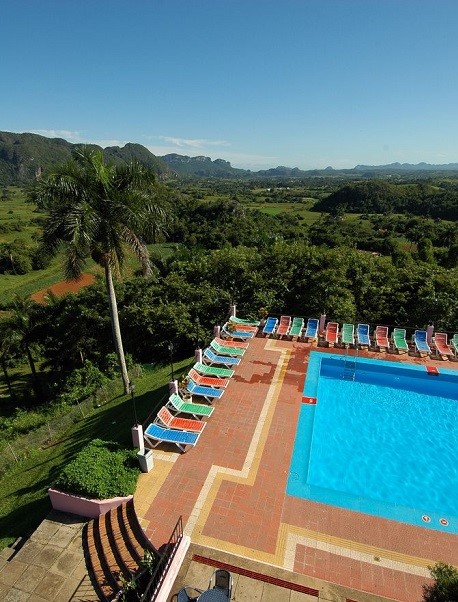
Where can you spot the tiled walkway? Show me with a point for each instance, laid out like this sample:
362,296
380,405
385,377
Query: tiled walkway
230,490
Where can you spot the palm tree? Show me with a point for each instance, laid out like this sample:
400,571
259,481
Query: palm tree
18,330
96,210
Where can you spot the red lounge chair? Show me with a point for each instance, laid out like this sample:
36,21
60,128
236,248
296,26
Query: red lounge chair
283,326
332,333
381,338
166,419
441,345
208,381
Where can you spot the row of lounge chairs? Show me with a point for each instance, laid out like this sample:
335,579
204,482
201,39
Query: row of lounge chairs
397,341
348,336
291,328
207,379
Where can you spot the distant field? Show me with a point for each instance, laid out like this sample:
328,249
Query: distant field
16,214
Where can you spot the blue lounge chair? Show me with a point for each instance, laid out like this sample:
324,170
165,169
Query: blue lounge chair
209,393
270,326
243,335
311,330
210,357
156,434
421,343
362,335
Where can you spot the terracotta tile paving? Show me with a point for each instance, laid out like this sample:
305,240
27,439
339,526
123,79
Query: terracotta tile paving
230,489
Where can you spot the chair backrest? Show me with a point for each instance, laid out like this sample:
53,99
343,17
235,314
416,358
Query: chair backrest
332,327
363,329
196,377
222,579
176,401
165,416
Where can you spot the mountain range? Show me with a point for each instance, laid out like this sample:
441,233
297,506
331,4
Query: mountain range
24,157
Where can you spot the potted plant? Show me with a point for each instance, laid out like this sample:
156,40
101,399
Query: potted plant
101,476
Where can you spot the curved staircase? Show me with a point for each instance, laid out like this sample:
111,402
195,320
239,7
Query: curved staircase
114,547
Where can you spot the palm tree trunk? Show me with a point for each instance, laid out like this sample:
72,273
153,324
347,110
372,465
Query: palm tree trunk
115,327
7,378
35,380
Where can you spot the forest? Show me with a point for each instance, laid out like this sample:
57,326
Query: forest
372,251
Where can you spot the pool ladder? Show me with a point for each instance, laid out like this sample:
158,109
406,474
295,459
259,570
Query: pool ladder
349,371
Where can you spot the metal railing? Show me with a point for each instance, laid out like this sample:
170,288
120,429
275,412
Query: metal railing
158,576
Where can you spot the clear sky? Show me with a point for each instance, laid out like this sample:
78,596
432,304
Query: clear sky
260,83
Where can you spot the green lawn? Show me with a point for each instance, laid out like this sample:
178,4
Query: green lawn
24,501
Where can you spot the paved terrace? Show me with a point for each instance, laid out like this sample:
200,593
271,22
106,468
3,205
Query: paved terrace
230,490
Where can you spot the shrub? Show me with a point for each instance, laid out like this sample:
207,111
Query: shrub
23,421
101,470
445,586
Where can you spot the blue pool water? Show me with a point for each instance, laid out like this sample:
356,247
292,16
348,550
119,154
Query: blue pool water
382,439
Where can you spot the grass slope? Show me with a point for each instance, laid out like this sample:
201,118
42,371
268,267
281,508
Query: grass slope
24,502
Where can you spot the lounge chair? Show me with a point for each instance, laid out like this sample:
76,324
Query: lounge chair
222,580
155,434
421,344
238,326
210,357
240,321
187,594
180,406
270,326
283,326
381,338
243,335
332,333
296,328
168,420
208,381
454,344
226,350
208,393
225,343
398,337
441,345
311,330
348,335
213,371
362,335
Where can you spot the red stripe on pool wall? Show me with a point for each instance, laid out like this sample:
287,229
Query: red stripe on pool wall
432,370
309,400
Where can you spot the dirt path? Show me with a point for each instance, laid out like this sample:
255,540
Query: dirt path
62,288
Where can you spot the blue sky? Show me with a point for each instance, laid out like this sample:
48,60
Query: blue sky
301,83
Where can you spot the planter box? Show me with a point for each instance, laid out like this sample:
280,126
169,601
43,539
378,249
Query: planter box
82,506
145,459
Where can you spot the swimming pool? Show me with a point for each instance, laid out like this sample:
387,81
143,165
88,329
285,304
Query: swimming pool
382,438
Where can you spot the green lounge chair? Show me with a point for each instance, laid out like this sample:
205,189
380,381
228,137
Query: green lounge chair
225,350
348,335
213,370
179,406
245,322
399,340
454,344
296,328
